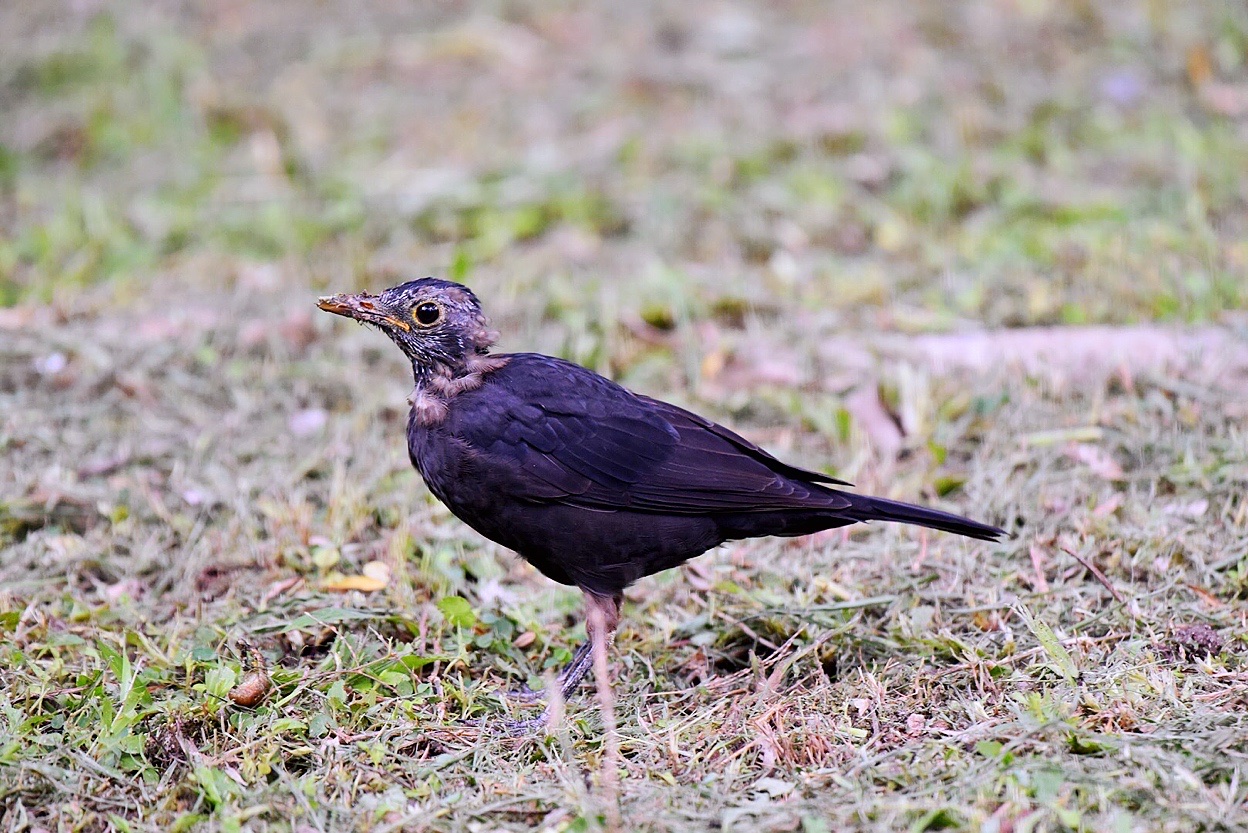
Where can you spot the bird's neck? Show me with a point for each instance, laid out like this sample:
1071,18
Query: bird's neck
423,372
438,384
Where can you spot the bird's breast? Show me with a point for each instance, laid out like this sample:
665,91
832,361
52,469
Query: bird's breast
437,457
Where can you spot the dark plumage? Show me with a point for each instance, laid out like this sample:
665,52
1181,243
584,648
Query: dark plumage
593,485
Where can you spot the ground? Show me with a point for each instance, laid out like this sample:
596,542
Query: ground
987,256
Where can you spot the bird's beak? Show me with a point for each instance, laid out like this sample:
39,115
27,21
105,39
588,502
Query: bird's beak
362,307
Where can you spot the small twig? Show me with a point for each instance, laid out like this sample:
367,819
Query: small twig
101,468
1229,561
1096,573
854,604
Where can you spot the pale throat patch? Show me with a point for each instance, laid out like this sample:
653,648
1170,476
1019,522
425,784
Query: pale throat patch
427,407
431,401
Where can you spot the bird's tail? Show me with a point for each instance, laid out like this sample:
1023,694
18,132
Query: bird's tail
867,508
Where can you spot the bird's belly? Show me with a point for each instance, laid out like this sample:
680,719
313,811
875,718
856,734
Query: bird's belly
600,551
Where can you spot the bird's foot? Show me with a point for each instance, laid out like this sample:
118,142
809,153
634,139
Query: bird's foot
524,694
527,727
515,728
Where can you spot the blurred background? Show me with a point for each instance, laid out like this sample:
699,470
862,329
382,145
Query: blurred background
912,165
845,228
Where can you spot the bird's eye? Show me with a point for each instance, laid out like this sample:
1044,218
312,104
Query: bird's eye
427,314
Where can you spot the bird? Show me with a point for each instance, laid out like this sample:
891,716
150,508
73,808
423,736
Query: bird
592,484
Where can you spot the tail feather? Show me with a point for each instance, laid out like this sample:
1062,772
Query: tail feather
867,508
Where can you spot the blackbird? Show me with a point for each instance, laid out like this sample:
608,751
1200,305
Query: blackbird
592,484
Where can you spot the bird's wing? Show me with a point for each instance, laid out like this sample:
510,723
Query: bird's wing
679,416
565,434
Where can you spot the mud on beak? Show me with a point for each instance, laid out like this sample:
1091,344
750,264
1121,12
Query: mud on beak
363,308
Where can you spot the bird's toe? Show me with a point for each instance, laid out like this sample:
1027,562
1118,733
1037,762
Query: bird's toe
526,727
524,694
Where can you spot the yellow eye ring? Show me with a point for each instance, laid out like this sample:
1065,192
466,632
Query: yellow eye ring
427,313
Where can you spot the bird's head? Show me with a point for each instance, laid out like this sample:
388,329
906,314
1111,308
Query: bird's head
438,324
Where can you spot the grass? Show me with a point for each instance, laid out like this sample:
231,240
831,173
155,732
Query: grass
203,485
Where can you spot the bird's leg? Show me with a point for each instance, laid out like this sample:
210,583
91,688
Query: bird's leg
602,618
572,673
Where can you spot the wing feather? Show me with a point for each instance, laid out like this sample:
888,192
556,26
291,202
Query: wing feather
565,434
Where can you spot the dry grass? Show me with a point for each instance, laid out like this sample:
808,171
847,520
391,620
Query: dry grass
778,218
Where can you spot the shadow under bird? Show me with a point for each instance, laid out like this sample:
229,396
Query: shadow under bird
592,484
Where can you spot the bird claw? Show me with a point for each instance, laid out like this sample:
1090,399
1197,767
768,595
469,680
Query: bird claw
524,694
527,727
513,728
